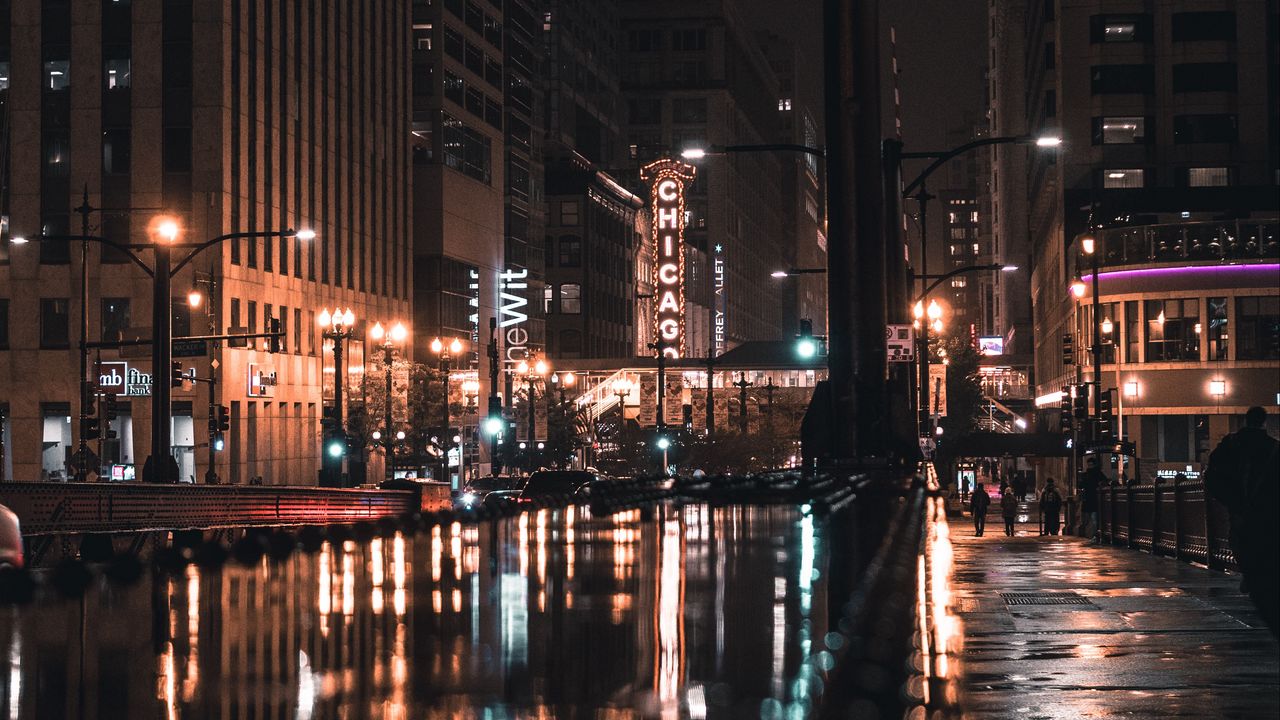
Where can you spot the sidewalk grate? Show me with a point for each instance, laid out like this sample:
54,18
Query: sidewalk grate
1065,598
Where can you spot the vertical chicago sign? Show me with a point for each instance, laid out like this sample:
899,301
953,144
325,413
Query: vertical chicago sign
667,180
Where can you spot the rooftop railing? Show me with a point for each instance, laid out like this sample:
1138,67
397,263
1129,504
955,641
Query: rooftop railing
1211,241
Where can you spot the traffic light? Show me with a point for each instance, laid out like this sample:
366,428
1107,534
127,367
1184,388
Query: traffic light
1104,416
1080,401
90,396
112,407
1068,349
1065,421
224,418
493,424
217,442
175,374
90,428
273,342
806,345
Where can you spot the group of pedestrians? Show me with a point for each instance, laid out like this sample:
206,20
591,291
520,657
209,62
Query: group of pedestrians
1050,508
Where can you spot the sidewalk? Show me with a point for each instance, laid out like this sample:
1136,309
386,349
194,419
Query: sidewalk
1057,628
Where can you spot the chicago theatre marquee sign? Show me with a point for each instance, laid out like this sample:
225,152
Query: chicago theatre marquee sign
668,179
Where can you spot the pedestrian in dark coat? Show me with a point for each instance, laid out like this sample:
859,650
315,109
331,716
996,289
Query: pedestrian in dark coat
978,505
1009,510
1244,475
1051,508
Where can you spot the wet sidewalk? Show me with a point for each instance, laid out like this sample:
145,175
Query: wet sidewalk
1057,628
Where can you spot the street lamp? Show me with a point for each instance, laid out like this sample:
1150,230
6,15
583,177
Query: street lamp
389,340
532,371
445,349
1089,245
337,327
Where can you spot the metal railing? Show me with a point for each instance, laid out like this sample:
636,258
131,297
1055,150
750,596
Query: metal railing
1191,241
1174,519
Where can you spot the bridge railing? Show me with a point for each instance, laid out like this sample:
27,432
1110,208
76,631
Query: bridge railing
1174,519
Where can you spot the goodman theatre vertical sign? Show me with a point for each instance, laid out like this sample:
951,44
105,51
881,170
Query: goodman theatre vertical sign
667,180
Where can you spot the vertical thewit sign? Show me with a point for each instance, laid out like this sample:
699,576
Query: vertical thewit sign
667,179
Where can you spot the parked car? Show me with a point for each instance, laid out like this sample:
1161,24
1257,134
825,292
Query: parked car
10,539
549,483
488,489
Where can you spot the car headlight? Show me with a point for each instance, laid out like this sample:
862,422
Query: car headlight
468,498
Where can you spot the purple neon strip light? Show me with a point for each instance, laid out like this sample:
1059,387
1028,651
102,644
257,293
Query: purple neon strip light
1184,270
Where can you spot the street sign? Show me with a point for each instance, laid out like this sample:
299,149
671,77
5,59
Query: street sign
900,343
938,390
190,348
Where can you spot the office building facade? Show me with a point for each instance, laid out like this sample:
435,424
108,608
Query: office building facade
235,117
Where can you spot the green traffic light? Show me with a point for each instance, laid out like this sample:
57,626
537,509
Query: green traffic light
664,443
493,425
337,449
806,348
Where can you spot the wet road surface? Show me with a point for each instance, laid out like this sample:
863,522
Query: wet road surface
683,612
1127,634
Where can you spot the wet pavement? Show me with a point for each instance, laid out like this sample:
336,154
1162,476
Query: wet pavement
1057,628
678,612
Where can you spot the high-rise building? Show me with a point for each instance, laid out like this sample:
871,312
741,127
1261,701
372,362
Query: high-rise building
694,77
590,297
230,117
1167,180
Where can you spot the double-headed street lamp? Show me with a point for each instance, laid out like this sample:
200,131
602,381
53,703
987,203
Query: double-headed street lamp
337,327
531,372
164,231
388,339
446,349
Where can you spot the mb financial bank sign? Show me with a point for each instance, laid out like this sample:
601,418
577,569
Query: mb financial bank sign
668,179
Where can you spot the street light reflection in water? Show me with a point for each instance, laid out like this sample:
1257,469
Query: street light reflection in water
678,612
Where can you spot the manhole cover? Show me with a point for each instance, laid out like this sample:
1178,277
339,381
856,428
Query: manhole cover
1064,598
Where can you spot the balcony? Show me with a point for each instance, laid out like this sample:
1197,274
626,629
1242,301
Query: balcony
1213,241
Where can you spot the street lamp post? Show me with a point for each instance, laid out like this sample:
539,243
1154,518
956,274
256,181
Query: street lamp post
389,340
445,349
742,385
336,327
1088,244
531,371
471,394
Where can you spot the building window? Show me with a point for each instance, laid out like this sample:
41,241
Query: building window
1120,79
693,110
4,323
1204,77
1204,26
959,282
181,317
297,331
1208,177
1218,336
644,40
53,323
645,111
1123,178
115,318
422,36
453,88
784,104
116,73
177,149
1258,336
311,332
1132,331
548,299
1119,28
959,233
1172,330
570,251
1120,130
570,299
569,212
57,75
1208,128
689,40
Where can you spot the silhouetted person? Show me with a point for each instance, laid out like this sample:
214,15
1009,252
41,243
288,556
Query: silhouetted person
978,505
1009,509
1244,475
1051,507
1090,482
148,471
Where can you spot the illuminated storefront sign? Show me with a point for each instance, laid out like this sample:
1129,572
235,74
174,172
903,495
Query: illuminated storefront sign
667,179
120,379
262,380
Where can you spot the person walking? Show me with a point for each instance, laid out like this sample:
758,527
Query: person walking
978,505
1051,507
1009,509
1244,475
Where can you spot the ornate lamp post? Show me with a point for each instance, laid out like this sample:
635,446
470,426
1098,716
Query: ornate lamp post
445,349
389,340
532,371
336,327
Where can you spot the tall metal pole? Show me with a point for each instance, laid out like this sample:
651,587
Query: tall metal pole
338,374
85,383
1097,340
211,474
495,403
838,62
161,359
926,423
662,386
444,414
388,436
711,391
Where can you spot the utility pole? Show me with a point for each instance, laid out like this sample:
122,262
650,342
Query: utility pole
742,386
711,392
86,385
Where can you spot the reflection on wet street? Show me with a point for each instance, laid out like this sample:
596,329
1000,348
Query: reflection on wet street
682,612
